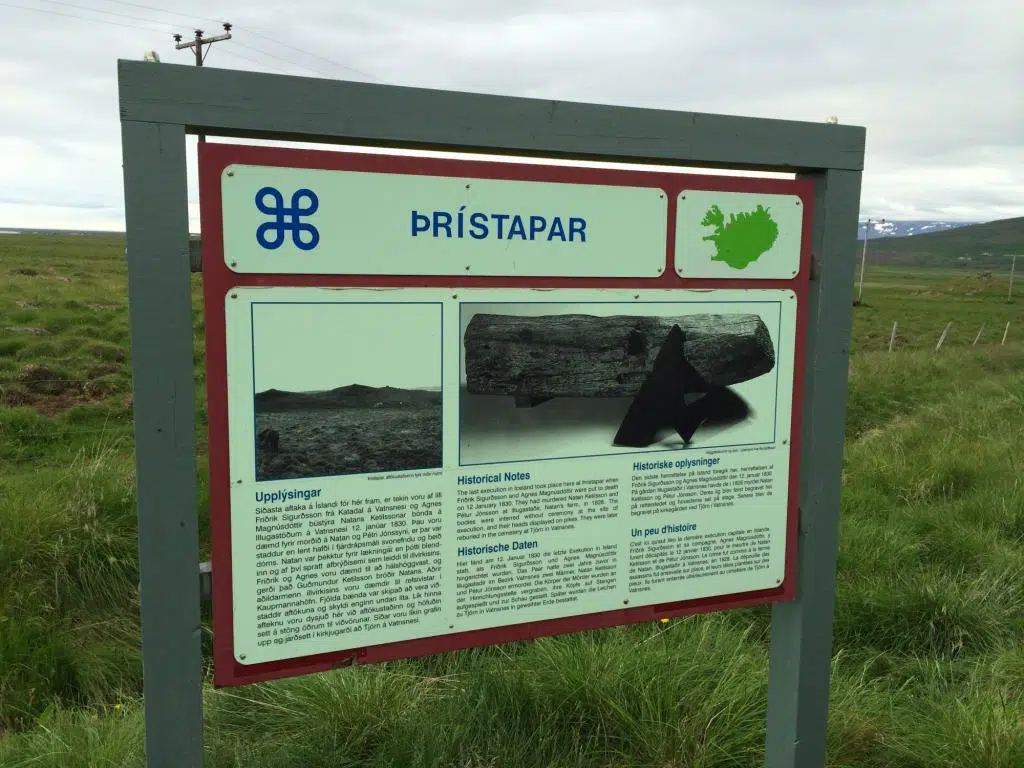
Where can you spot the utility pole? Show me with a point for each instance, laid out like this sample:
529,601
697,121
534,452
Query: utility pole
197,45
864,256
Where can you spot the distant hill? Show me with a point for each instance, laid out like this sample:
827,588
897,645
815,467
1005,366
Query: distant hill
62,232
987,245
907,227
351,396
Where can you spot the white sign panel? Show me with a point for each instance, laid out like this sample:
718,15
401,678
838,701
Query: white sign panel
743,235
408,463
326,222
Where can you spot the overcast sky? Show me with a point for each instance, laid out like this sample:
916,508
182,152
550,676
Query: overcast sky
938,84
294,350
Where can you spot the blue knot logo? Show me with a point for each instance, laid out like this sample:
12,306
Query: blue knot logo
271,234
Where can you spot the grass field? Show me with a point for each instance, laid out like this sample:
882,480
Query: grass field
922,301
928,668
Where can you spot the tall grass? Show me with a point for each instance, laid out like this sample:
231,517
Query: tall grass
69,595
928,669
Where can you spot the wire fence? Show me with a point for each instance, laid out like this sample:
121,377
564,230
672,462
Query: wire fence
1002,335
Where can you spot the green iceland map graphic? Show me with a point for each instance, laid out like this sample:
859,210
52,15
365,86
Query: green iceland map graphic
742,239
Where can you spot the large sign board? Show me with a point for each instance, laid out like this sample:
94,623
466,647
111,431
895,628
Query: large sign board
456,403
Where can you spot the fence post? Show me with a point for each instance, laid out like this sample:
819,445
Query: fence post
1005,331
1013,266
942,338
892,336
979,335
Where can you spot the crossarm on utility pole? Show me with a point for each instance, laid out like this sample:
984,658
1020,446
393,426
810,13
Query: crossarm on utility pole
197,44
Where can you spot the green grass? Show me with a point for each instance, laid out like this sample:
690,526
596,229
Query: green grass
928,668
922,301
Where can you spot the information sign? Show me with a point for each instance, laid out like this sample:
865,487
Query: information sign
422,441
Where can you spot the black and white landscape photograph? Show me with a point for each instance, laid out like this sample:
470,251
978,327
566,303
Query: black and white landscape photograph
346,388
543,381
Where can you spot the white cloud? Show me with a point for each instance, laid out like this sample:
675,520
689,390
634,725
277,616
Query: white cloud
937,85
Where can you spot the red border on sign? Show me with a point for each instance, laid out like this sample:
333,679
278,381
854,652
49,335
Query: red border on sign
218,280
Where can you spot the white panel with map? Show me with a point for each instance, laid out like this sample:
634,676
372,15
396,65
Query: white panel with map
730,235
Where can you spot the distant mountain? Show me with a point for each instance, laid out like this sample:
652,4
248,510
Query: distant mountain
351,396
62,232
988,245
908,227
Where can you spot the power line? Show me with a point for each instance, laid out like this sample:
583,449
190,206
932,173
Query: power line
281,58
256,33
314,55
123,25
251,60
164,26
80,7
190,16
80,18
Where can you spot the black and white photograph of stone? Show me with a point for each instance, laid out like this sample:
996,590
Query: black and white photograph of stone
592,379
346,388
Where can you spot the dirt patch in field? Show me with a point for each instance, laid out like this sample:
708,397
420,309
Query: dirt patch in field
982,282
105,369
40,388
40,379
47,405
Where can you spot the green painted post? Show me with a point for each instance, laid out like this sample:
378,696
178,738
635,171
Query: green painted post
160,310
